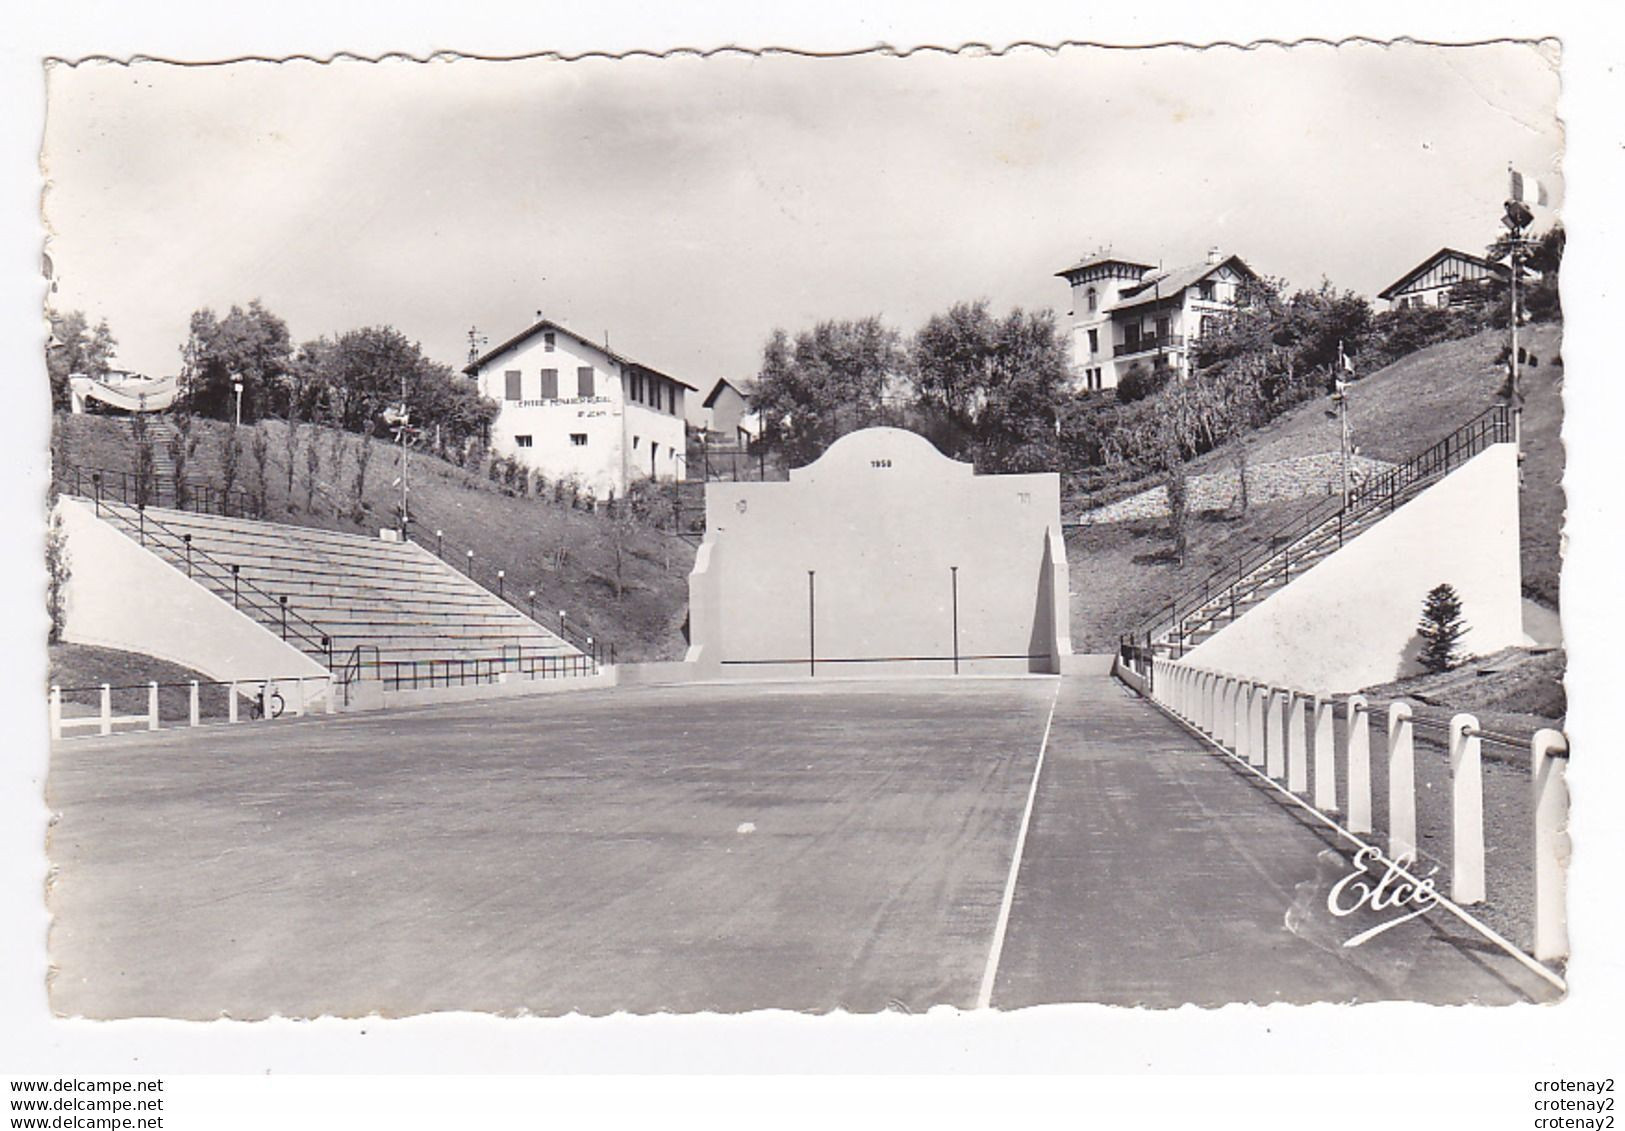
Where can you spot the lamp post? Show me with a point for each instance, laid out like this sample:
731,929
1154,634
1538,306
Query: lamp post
237,387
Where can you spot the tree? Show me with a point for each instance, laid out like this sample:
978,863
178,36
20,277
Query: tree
180,453
251,346
832,380
231,455
58,571
1441,629
992,389
76,348
260,447
146,478
358,492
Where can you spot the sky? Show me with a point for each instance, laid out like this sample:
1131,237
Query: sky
686,207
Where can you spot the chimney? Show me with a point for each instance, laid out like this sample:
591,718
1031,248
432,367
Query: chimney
1214,255
538,316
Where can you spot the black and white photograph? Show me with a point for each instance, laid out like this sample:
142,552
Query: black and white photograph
853,534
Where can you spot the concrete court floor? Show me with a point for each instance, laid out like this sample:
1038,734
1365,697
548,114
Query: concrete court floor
1157,873
586,853
806,846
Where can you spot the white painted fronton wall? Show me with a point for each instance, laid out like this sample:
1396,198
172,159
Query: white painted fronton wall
120,595
1350,621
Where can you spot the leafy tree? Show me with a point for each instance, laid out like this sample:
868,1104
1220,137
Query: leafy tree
1441,629
248,345
76,347
181,448
58,571
231,455
358,492
830,381
995,387
146,478
260,447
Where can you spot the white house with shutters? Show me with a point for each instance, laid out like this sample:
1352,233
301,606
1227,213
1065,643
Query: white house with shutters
1433,281
1126,313
568,406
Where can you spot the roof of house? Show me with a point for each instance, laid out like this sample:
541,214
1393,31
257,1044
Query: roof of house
1100,260
1428,264
1163,285
716,391
542,324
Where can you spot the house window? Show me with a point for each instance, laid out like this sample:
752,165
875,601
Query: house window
511,381
1162,329
578,439
548,342
1094,341
1094,300
550,384
637,387
635,440
1444,298
584,381
1207,326
671,399
523,441
1206,290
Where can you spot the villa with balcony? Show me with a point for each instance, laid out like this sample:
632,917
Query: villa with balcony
1126,313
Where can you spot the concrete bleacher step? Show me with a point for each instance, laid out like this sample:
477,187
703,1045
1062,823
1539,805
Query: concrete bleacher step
355,591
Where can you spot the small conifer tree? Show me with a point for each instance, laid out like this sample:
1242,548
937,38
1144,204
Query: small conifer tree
1441,629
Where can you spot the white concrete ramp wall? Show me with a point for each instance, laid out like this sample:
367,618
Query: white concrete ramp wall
1350,621
121,596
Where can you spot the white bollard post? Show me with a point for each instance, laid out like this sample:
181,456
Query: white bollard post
1359,762
1275,734
1204,703
1401,782
1224,725
1297,744
152,705
192,706
299,697
56,711
1238,720
1325,755
1550,751
1257,705
107,709
332,696
231,703
1467,811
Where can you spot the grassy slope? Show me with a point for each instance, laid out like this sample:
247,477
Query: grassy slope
1118,579
521,535
80,671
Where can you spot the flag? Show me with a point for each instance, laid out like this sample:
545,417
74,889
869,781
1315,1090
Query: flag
1344,361
1526,190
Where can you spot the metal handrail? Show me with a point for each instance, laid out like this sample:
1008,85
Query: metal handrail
201,494
230,575
520,596
1488,427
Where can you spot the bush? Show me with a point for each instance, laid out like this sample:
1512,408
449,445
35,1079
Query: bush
1441,629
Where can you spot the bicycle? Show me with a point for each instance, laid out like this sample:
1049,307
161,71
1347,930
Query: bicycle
267,704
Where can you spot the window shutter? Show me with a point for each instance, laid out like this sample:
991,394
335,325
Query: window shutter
584,381
550,384
512,391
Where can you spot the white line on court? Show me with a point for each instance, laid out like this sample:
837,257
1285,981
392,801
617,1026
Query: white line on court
984,999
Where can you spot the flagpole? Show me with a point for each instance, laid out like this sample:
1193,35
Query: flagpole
1343,418
1513,186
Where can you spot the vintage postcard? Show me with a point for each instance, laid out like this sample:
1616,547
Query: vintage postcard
738,532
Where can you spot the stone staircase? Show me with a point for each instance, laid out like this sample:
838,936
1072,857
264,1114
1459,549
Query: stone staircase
1228,594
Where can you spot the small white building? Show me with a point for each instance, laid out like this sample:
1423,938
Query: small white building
1433,281
570,407
1126,313
728,414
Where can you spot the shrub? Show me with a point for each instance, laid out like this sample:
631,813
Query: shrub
1441,629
